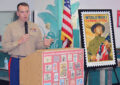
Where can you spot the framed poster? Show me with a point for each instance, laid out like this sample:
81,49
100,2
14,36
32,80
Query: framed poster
118,18
6,17
97,36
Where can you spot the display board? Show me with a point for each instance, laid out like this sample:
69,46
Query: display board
63,67
53,67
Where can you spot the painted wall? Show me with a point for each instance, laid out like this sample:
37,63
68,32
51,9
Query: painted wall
6,5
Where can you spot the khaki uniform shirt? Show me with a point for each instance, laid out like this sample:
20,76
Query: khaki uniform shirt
94,46
14,32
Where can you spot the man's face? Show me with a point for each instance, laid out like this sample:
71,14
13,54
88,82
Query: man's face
23,13
98,30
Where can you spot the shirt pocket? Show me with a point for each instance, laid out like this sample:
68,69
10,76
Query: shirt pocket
33,32
16,35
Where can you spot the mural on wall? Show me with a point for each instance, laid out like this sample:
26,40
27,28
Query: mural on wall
74,11
75,22
50,20
49,27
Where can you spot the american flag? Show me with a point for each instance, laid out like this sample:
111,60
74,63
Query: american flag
102,53
67,30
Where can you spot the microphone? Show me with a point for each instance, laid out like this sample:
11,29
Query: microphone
26,27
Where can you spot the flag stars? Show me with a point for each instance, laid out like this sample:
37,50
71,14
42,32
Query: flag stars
67,3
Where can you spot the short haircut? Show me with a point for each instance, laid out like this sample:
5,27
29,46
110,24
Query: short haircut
23,4
97,24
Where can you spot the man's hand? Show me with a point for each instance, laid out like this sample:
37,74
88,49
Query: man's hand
23,39
47,42
93,58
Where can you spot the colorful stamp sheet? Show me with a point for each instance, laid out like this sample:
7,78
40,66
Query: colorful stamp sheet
63,67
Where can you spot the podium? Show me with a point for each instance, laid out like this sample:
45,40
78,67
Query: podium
53,67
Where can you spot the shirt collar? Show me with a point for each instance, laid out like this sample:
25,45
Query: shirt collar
21,22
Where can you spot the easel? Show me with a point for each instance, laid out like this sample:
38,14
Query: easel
88,69
116,75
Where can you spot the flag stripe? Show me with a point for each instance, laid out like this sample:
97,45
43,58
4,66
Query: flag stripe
68,33
67,14
102,53
67,9
67,30
64,43
67,23
67,18
68,37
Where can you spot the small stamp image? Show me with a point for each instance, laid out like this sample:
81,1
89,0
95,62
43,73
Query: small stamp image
77,65
62,82
79,81
48,68
47,76
56,77
63,70
70,57
55,67
72,74
80,56
75,57
63,58
56,59
70,65
47,83
78,73
48,59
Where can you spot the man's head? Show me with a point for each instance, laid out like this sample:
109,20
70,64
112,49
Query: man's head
98,28
23,11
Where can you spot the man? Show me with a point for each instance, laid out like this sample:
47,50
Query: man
94,44
20,44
